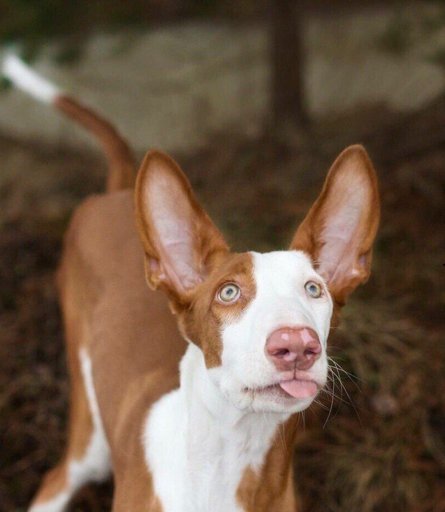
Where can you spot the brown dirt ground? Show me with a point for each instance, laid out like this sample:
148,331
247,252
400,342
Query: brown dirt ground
383,446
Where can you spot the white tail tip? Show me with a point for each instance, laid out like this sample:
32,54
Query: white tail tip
26,79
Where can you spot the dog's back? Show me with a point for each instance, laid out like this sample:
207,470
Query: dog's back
113,316
103,272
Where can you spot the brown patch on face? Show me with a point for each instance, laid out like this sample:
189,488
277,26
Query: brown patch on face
272,488
205,316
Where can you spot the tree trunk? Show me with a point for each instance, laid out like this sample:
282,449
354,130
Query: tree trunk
287,61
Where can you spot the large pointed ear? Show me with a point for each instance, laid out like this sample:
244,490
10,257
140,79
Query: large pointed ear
179,239
340,228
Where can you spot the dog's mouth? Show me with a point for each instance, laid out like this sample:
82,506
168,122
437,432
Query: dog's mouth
287,389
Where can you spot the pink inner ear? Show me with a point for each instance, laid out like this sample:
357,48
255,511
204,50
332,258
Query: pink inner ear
340,228
179,239
172,218
338,257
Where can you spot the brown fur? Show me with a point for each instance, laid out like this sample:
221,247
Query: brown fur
120,158
209,244
129,333
272,488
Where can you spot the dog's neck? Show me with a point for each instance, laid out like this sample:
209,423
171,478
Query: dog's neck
205,403
215,444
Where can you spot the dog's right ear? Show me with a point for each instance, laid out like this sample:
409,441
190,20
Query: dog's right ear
180,241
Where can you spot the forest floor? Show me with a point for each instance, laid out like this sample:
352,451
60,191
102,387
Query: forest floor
382,447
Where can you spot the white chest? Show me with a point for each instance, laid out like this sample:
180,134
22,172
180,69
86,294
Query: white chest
196,465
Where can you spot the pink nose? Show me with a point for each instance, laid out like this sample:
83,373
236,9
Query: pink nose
290,349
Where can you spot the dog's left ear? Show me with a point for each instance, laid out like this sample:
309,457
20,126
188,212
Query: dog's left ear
340,228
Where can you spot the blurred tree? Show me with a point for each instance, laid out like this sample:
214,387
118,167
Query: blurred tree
32,23
421,27
288,103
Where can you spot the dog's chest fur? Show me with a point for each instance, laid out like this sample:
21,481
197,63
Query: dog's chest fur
197,459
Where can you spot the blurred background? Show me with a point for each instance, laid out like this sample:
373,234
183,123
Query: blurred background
254,98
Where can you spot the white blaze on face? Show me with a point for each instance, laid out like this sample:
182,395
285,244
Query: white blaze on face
280,301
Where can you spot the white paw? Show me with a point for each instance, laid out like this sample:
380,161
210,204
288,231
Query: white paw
56,504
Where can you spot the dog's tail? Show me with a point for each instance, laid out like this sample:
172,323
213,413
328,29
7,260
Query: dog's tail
122,165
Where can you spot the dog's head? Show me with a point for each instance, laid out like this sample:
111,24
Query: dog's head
261,320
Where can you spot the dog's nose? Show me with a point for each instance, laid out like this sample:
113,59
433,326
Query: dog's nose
290,348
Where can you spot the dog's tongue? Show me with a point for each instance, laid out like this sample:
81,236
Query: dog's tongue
299,388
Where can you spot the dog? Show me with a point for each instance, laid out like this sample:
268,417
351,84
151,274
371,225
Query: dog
247,331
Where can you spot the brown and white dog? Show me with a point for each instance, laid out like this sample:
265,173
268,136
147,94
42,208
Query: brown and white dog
248,335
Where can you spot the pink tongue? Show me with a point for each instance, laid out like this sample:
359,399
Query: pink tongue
299,388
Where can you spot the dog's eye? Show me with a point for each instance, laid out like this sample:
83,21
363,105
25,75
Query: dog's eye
313,289
229,293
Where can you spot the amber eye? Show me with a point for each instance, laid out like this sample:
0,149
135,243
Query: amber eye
229,293
313,289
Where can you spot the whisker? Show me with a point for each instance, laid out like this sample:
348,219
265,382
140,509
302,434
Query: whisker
354,378
335,368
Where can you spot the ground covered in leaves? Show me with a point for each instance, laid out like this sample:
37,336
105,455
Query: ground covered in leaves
380,444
